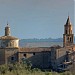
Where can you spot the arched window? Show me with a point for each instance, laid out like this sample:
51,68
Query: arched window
24,55
66,31
67,38
70,39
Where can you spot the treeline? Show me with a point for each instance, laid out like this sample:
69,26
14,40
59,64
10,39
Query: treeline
25,68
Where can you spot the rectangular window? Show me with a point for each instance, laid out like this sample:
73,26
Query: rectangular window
33,53
12,58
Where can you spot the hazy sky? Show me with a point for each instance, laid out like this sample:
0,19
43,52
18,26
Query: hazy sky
35,18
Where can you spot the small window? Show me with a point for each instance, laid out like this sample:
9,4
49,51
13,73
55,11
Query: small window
70,39
7,45
12,58
66,31
33,53
24,55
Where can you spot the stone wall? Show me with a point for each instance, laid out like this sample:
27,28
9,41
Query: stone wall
37,59
2,56
11,55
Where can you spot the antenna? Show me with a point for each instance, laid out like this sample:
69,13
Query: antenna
7,23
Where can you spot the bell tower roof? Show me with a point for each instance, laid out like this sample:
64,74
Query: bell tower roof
68,22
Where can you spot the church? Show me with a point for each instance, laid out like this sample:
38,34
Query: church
40,57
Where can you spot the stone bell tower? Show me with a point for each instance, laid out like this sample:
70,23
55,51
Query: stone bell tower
68,36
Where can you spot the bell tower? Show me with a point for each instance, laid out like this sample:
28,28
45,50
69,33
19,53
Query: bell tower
7,30
68,36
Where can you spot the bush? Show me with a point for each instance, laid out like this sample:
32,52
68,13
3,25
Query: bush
3,69
24,69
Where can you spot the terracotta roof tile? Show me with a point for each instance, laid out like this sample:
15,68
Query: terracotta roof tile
38,49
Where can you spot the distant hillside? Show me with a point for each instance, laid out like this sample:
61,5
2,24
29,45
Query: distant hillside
40,42
43,40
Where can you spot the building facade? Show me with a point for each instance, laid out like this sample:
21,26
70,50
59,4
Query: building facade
40,57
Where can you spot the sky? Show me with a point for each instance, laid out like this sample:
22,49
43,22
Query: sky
36,18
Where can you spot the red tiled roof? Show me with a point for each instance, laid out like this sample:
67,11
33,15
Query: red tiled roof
38,49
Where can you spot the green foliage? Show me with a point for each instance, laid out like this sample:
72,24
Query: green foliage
67,73
3,69
25,69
